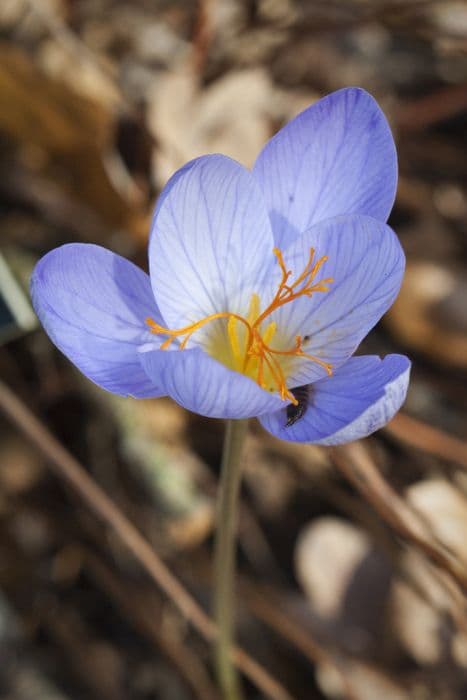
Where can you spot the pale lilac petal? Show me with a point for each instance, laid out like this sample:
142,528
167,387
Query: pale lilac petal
361,397
337,157
93,305
201,384
366,262
211,241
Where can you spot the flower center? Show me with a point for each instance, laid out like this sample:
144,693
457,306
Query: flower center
244,343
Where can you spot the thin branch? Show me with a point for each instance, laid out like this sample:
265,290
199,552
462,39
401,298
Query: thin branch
423,112
68,468
139,610
354,462
267,608
427,438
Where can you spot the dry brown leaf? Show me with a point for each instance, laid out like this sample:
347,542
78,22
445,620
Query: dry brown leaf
65,135
232,116
444,507
20,467
367,682
328,552
421,604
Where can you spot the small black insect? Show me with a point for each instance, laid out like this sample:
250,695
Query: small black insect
295,412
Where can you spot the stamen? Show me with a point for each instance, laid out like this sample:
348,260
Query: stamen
277,375
251,351
269,333
260,376
254,309
233,338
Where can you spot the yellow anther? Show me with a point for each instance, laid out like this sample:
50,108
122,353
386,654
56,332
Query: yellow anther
233,339
254,308
269,333
249,350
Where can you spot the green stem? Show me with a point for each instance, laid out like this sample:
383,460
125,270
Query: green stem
225,557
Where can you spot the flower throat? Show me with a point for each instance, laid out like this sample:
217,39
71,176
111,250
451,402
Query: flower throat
248,348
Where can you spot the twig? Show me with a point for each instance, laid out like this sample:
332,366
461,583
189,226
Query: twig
68,468
139,609
266,608
65,627
427,438
382,533
358,468
425,111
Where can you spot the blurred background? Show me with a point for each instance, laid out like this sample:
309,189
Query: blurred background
353,562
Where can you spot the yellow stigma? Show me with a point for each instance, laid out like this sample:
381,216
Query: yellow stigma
244,342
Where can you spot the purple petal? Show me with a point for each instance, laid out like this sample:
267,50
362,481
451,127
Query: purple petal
211,241
202,385
366,262
93,305
337,157
361,397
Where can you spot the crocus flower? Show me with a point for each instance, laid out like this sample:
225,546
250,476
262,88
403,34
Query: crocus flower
262,284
